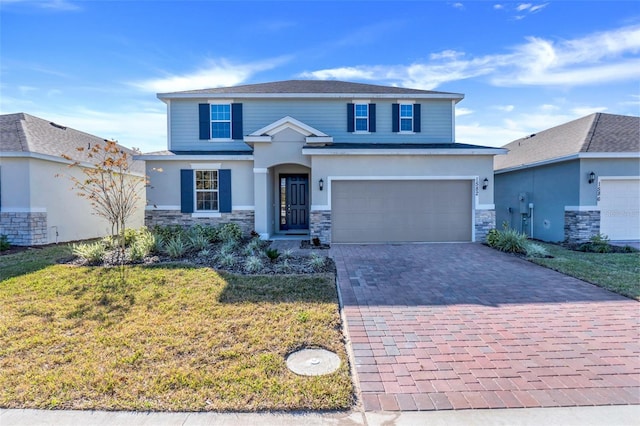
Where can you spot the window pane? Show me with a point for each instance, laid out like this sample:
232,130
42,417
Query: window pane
406,125
220,130
361,110
220,112
361,124
206,200
406,110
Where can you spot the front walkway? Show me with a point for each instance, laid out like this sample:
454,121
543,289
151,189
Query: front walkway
456,326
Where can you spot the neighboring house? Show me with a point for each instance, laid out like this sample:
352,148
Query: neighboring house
573,181
340,161
38,204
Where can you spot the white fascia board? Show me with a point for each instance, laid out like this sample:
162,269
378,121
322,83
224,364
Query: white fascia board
319,139
159,207
195,157
257,139
167,96
580,156
311,151
23,209
55,159
581,208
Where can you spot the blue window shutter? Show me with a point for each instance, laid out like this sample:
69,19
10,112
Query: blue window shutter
372,117
236,121
395,118
416,118
186,191
204,111
224,190
350,118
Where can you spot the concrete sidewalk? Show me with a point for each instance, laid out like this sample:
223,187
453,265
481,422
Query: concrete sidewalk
620,415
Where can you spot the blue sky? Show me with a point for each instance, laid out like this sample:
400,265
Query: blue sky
523,66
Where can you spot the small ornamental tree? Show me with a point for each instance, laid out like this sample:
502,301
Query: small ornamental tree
109,185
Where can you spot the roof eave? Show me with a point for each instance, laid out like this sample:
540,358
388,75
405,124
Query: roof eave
177,95
577,156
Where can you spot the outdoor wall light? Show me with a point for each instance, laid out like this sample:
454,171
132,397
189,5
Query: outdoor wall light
321,184
485,183
592,177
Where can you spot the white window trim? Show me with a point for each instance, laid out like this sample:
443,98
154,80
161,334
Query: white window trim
221,102
355,117
413,113
195,194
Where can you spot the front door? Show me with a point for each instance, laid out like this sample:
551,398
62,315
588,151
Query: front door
294,202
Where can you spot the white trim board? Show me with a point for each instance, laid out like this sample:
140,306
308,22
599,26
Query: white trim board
408,151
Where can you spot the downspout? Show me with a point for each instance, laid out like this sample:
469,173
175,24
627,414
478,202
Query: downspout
531,220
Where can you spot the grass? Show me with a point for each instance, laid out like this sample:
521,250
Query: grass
31,260
172,338
617,272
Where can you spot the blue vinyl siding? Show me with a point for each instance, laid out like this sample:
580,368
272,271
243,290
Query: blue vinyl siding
328,116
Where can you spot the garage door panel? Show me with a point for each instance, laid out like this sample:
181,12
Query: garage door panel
401,211
620,208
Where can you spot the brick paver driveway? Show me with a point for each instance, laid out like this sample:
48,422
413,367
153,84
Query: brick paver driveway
454,326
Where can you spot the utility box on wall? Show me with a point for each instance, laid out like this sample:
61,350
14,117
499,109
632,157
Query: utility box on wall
523,201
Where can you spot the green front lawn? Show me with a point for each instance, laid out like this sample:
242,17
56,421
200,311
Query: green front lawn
617,272
173,338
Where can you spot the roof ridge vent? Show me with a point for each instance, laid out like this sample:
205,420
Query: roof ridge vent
58,126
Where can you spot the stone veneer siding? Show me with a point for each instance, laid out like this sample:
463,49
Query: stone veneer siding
484,222
24,229
320,225
244,218
579,226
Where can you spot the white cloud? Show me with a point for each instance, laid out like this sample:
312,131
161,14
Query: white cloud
218,73
498,6
60,5
594,59
523,6
460,111
458,5
586,110
549,107
504,108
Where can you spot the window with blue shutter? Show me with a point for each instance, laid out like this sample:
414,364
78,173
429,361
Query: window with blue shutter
205,191
361,117
405,118
220,121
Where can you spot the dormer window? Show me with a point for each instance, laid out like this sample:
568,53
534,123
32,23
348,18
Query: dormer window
361,117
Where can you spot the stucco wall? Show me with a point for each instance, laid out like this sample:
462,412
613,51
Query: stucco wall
550,188
603,167
39,186
164,181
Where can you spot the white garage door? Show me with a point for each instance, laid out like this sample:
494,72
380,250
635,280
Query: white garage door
401,211
620,209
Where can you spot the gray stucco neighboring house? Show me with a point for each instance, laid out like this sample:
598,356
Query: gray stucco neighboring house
38,204
339,161
573,181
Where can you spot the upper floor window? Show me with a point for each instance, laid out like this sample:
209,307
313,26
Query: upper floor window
221,121
406,117
206,187
361,117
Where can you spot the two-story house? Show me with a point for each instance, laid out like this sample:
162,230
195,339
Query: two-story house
344,162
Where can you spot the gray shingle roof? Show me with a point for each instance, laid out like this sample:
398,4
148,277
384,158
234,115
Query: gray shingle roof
598,132
312,87
21,132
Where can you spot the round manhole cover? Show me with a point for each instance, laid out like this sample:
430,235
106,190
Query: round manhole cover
313,362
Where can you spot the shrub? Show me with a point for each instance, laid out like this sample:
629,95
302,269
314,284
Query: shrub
272,254
253,247
168,232
4,242
253,264
316,261
143,245
284,267
91,252
176,247
287,254
129,236
512,241
229,247
536,250
230,232
227,260
493,236
198,241
598,243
